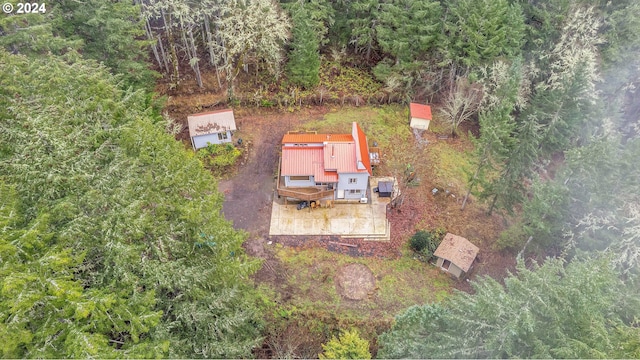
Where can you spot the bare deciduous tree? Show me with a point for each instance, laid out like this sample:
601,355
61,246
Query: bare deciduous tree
461,104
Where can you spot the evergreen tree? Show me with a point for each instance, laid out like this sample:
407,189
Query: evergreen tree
409,29
304,59
508,189
320,13
497,123
409,33
45,311
348,346
363,22
556,310
111,33
31,34
561,111
543,21
149,265
479,31
599,210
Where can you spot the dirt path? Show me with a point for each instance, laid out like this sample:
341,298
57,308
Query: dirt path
248,195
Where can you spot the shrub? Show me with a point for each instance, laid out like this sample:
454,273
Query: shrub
218,155
425,243
349,346
513,238
420,240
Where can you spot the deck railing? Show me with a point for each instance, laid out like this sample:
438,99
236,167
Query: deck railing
306,193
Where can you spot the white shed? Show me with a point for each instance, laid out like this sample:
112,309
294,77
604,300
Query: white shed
420,116
212,127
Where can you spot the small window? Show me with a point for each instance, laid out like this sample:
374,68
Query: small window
299,178
355,191
222,136
353,180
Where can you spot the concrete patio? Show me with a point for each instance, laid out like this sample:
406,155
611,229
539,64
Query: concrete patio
349,220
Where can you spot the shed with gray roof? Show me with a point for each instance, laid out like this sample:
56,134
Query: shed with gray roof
212,127
456,255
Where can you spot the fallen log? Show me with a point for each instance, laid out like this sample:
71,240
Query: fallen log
343,244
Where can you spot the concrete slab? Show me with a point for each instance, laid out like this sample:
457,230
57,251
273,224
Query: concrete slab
349,220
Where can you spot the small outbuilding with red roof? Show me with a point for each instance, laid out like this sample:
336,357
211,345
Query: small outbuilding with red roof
420,116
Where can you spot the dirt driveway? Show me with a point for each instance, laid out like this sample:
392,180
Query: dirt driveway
249,193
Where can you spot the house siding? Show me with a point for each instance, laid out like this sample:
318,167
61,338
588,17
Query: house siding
453,269
362,181
202,140
417,123
299,183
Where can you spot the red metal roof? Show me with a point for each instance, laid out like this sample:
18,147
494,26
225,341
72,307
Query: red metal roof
325,176
364,149
420,111
306,162
300,161
341,157
339,153
315,138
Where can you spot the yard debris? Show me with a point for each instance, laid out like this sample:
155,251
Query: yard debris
343,244
422,142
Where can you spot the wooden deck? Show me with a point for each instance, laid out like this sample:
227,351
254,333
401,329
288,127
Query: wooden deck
302,193
306,194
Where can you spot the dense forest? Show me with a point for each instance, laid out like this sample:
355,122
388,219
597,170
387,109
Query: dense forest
112,242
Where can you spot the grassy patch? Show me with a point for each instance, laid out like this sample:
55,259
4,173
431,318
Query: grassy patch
385,125
438,125
307,310
400,283
451,167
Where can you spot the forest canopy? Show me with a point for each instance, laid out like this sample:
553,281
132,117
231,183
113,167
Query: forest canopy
112,242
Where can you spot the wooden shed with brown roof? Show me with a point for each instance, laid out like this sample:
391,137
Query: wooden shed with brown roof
456,255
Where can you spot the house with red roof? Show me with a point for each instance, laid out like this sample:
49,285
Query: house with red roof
325,166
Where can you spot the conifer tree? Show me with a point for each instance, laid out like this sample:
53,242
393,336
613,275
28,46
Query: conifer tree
497,123
110,32
363,23
348,346
479,31
149,265
555,310
409,29
304,58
